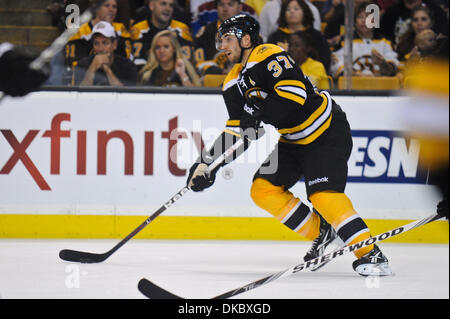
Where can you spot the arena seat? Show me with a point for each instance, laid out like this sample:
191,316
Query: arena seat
213,80
371,83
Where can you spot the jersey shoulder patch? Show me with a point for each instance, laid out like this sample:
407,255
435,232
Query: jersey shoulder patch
262,52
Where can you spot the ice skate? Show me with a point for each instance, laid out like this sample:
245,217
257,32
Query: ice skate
327,235
374,263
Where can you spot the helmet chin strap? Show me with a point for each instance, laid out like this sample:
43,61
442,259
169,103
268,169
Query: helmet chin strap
243,50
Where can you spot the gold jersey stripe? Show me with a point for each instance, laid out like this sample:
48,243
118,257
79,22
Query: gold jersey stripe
262,52
232,77
228,131
317,113
292,90
312,137
233,122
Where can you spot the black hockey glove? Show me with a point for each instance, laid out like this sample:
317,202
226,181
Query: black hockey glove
254,107
250,127
17,79
199,179
442,208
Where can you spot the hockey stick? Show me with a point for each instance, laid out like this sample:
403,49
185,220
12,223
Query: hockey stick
153,291
86,257
59,43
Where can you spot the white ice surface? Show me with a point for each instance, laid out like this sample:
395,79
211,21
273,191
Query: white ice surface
31,269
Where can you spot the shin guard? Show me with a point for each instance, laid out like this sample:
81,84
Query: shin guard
338,210
288,209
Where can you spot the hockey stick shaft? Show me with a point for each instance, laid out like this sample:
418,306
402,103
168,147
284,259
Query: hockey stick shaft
153,291
329,256
86,257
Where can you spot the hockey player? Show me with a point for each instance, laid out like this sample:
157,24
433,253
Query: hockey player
266,85
16,77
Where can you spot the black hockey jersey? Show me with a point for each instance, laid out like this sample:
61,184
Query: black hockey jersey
291,103
142,34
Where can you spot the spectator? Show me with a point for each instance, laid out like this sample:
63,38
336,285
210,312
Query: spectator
161,18
301,50
335,19
295,15
105,67
207,12
208,60
421,19
166,65
372,53
142,12
268,19
395,21
79,45
427,45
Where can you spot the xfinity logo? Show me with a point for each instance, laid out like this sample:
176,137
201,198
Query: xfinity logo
318,180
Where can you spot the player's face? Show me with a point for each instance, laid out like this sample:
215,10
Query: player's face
104,45
294,13
162,10
228,8
229,44
164,51
107,11
420,21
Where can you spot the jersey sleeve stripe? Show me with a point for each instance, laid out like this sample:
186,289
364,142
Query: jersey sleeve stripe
311,137
233,123
313,127
292,90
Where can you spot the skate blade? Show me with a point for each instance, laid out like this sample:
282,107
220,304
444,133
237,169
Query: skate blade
382,269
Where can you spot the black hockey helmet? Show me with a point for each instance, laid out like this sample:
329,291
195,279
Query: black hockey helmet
239,25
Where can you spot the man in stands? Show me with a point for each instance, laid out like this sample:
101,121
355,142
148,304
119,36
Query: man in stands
142,32
105,67
207,58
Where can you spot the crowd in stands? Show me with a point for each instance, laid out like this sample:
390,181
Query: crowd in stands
172,43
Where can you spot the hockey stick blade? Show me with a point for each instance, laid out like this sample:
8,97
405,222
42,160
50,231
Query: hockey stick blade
153,291
81,257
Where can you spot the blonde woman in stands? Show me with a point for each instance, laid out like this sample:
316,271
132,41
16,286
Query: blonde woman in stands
166,65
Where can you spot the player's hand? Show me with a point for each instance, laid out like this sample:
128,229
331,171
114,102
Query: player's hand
254,107
250,127
199,178
21,78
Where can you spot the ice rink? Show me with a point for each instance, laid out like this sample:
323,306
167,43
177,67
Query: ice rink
31,269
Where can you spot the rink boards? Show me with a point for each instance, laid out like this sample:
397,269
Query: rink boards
95,165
